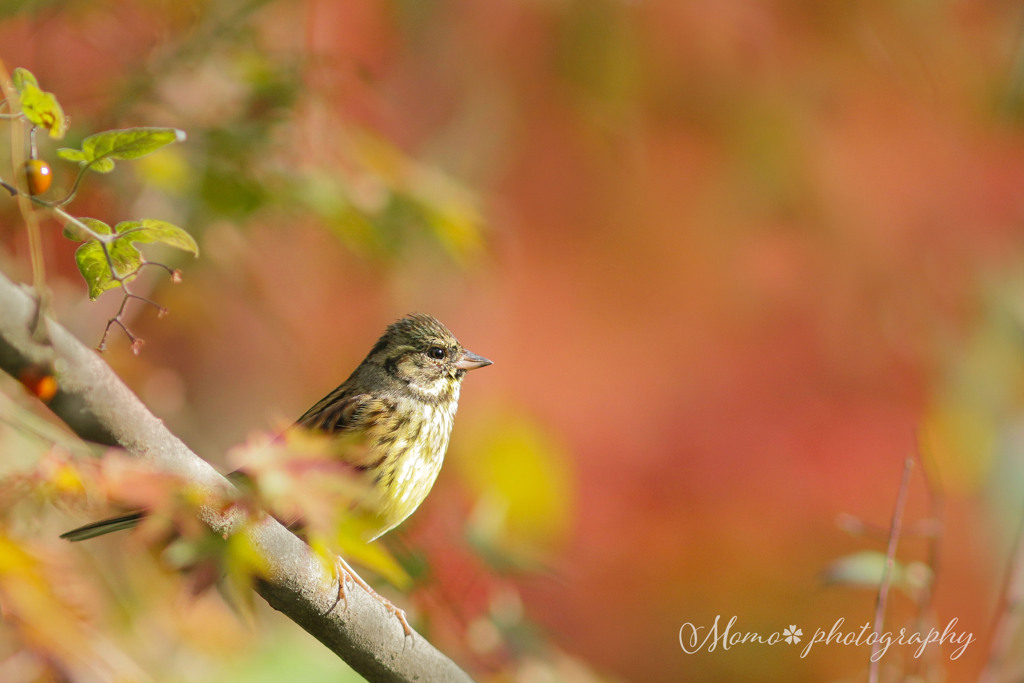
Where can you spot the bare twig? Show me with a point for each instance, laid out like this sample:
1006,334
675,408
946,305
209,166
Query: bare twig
94,402
890,561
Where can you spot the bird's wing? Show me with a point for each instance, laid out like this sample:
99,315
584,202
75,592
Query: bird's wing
337,411
358,419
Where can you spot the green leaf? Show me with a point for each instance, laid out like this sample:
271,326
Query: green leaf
152,230
126,257
123,254
23,77
73,232
95,268
69,154
102,166
41,108
79,157
866,569
863,569
100,150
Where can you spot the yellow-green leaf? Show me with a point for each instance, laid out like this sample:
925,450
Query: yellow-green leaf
95,267
22,77
350,541
522,480
152,230
74,232
128,143
866,569
42,109
69,154
127,259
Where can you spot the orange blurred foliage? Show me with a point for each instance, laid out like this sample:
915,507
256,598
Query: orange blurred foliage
733,257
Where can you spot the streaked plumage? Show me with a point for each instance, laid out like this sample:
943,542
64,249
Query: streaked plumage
398,405
401,400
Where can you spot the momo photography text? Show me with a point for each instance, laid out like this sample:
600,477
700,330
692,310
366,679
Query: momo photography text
726,635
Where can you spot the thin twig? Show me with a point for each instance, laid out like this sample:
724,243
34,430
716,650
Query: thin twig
890,562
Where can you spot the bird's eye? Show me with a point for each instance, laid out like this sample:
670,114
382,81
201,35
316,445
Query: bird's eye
436,352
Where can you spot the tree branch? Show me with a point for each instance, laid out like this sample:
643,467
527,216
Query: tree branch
97,406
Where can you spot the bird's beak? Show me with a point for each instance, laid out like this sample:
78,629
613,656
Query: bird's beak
471,361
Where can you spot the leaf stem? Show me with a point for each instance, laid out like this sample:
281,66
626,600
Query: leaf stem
82,170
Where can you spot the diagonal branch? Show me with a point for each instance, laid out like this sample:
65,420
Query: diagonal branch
96,405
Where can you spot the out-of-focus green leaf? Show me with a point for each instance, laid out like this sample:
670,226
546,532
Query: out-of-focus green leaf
100,150
523,486
41,108
962,429
420,199
350,540
30,601
866,569
243,563
244,559
23,78
455,223
166,169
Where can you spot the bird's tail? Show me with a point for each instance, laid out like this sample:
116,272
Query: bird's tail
104,526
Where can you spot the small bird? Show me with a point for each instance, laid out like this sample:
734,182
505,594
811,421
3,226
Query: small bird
397,407
401,402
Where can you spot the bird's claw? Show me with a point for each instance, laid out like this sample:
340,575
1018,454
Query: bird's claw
346,574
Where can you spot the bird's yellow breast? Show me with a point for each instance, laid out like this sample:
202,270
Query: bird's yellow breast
410,457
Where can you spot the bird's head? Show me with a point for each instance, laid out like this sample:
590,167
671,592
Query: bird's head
422,353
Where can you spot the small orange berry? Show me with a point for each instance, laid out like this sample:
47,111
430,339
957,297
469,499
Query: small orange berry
41,383
39,175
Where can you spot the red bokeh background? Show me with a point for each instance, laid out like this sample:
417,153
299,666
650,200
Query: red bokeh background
735,256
